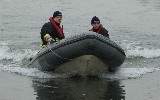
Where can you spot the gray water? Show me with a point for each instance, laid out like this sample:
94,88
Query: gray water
132,24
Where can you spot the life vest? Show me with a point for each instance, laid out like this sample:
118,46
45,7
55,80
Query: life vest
58,28
99,29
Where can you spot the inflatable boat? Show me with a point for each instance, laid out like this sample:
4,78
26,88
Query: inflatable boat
83,54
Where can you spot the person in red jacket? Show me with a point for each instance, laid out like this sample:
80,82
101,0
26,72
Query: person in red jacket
97,27
52,30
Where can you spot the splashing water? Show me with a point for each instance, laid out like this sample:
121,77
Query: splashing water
135,49
129,73
7,53
31,72
144,52
123,73
132,51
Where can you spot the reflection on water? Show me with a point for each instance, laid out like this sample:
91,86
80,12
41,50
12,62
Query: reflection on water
76,89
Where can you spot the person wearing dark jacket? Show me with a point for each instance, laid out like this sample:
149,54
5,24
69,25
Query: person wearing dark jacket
52,30
97,27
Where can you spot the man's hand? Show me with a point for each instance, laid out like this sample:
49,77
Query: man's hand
47,38
56,39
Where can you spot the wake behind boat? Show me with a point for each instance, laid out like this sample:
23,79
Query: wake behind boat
84,54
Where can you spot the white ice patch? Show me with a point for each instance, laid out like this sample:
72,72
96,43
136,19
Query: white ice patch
128,73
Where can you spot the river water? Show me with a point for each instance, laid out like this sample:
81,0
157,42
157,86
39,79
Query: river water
132,24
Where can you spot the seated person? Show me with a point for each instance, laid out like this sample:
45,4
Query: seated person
52,29
97,27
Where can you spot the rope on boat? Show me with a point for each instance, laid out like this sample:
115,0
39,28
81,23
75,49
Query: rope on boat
56,53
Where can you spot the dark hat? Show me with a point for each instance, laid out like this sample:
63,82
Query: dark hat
57,13
95,19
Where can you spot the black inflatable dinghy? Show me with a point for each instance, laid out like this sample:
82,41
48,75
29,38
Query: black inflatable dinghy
84,54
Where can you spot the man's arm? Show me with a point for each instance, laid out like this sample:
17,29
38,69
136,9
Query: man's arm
104,32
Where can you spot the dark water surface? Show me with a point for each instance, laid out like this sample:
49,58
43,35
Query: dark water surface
76,89
132,24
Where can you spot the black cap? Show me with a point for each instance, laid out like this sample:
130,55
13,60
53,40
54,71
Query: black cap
57,13
95,19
